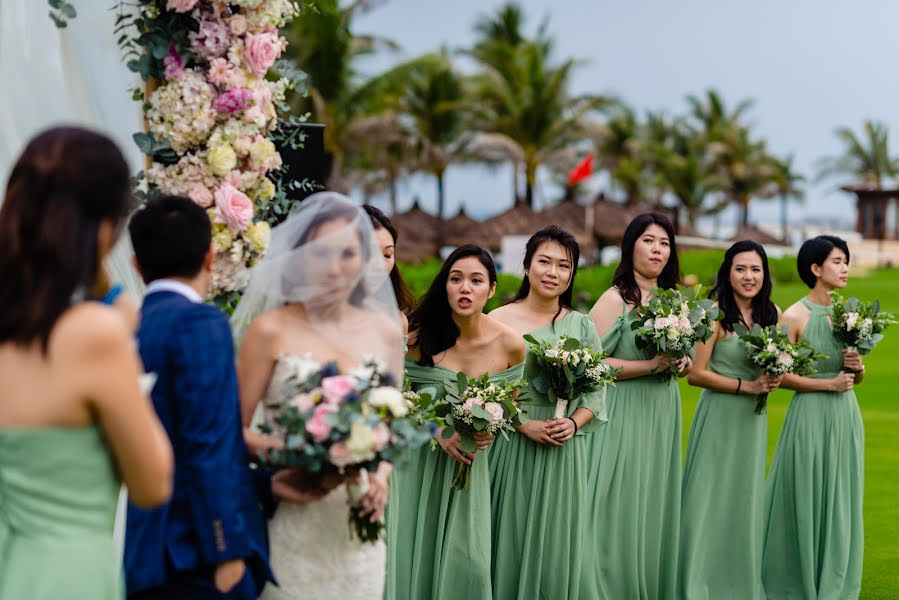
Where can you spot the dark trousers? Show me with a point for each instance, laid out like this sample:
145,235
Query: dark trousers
199,585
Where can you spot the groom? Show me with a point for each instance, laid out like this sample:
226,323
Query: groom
209,540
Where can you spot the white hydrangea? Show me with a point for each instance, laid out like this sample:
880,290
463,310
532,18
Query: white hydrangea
181,111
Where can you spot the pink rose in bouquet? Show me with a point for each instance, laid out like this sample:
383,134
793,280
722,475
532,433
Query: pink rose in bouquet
335,389
261,51
339,454
496,411
318,426
233,207
380,436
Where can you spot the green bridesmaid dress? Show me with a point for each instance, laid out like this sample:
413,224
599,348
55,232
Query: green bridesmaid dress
438,538
723,497
634,485
814,538
538,492
58,494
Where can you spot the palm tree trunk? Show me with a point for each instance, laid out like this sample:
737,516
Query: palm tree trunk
744,211
515,168
530,177
783,218
393,194
440,193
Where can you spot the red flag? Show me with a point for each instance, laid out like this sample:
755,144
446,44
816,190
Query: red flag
581,171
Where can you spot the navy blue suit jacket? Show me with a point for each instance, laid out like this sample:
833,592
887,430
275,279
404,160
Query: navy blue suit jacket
213,514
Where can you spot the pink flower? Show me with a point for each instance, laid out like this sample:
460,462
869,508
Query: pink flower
219,72
212,40
318,426
303,402
181,6
380,437
201,195
174,66
232,207
262,50
339,454
496,411
232,101
335,389
238,24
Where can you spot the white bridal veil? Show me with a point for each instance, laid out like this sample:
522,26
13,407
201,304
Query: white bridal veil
325,257
50,76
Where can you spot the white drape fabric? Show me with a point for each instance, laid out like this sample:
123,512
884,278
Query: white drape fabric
51,76
76,75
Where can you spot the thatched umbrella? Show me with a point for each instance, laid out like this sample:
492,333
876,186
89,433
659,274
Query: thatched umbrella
752,232
460,229
419,234
518,220
610,219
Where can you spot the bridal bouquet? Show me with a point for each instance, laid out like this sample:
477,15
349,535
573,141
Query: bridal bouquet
344,423
858,325
567,368
673,322
479,406
770,349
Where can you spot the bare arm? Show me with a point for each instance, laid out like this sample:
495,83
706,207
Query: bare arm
109,377
796,318
255,364
604,313
701,376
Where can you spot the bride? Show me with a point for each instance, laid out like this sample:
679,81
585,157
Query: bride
318,293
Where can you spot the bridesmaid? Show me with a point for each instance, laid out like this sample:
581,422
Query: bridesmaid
538,479
635,460
722,520
73,418
814,538
438,538
387,236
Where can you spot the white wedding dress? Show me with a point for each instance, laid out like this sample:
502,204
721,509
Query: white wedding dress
312,553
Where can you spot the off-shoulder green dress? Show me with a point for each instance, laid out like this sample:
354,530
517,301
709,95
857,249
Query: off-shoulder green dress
634,485
538,492
438,538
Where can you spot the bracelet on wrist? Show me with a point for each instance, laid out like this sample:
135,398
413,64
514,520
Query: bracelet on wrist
739,385
575,424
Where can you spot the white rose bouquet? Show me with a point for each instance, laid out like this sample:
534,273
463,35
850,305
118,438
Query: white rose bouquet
770,349
346,424
479,406
673,322
567,368
858,325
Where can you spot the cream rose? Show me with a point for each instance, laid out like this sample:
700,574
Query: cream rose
221,159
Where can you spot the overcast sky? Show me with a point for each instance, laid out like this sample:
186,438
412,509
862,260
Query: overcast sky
810,66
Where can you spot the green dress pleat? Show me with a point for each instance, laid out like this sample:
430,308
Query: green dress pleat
58,494
538,493
723,498
634,485
438,539
814,538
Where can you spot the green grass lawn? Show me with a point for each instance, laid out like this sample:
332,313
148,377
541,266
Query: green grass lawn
880,411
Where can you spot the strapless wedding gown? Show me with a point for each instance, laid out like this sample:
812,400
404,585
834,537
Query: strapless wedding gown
312,553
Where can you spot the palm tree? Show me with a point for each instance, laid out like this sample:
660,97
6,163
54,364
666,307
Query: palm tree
787,185
684,168
434,103
865,158
524,99
744,166
322,43
710,114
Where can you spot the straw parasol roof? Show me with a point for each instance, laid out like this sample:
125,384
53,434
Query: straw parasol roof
754,233
459,229
419,233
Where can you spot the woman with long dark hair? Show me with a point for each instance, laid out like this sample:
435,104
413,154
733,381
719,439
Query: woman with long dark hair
538,477
722,519
73,418
387,237
814,536
438,538
635,459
